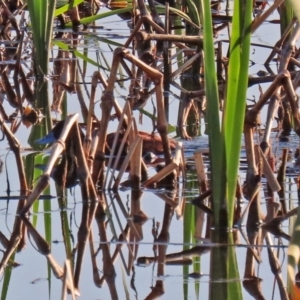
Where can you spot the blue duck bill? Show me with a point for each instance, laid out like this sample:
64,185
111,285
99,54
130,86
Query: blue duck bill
48,139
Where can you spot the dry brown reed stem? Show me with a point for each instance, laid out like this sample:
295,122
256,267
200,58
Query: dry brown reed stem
155,17
287,52
81,98
44,249
14,243
87,216
108,267
200,169
93,254
126,161
252,114
117,159
265,79
68,276
134,239
262,18
125,114
289,48
162,240
168,200
278,45
276,269
144,36
252,170
281,179
11,18
57,148
135,165
103,81
88,137
168,169
269,174
93,149
129,219
83,173
157,78
272,223
293,100
251,282
185,66
253,174
10,93
27,92
148,20
171,258
74,15
122,239
107,100
15,147
202,181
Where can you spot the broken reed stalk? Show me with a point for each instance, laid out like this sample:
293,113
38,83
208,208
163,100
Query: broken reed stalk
9,91
292,98
16,241
88,135
269,174
68,277
144,36
108,267
87,187
286,53
126,161
57,148
200,169
275,265
135,165
262,18
107,100
185,65
147,20
252,114
117,158
281,179
45,249
87,216
125,115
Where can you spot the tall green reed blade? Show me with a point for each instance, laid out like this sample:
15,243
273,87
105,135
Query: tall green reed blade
296,8
234,285
7,276
41,16
216,142
236,96
66,7
224,273
188,235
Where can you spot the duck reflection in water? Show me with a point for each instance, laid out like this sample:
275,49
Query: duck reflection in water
65,172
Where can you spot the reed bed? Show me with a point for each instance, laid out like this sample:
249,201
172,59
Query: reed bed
212,86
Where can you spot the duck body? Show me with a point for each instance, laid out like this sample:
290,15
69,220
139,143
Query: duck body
152,143
65,172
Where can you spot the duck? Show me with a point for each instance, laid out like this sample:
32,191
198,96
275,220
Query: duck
152,142
65,171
